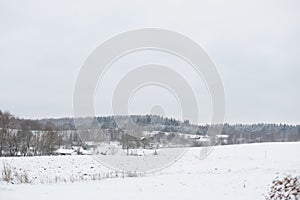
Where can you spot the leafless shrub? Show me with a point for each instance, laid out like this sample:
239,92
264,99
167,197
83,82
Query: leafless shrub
10,175
22,177
7,172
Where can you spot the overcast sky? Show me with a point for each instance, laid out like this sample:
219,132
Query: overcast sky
255,45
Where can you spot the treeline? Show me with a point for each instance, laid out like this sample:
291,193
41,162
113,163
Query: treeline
44,136
23,137
238,133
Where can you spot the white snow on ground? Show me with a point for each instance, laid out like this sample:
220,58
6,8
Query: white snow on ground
229,172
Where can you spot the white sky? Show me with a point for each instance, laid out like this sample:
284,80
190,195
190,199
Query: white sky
255,45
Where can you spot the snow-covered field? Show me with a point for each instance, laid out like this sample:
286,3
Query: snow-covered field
229,172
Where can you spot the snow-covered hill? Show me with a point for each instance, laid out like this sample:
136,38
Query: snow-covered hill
229,172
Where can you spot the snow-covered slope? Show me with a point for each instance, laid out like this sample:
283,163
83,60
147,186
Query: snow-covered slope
229,172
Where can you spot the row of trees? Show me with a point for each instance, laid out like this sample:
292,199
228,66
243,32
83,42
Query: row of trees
18,138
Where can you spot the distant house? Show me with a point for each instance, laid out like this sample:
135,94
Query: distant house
82,151
62,151
202,140
137,152
222,139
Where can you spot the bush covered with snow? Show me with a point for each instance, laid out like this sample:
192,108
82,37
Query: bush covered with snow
286,188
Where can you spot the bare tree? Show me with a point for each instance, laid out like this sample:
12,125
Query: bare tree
51,141
5,128
25,136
